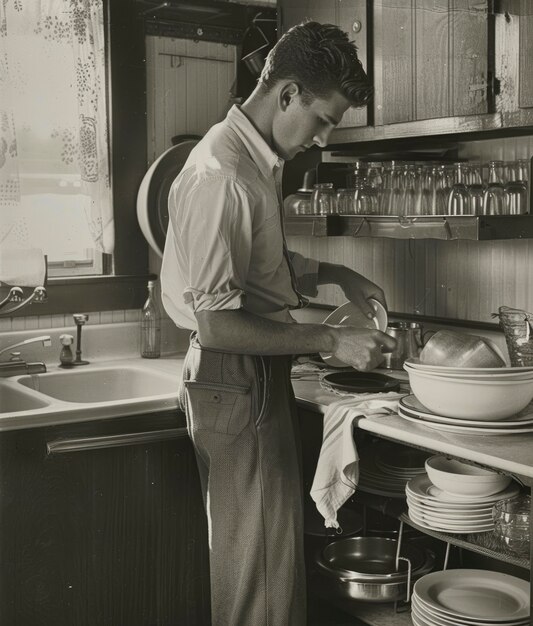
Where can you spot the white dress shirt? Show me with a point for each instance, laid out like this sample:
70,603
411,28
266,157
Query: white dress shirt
225,246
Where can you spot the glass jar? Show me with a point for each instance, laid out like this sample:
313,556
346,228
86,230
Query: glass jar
345,201
323,201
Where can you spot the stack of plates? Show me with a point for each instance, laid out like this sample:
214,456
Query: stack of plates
432,508
412,410
385,469
470,597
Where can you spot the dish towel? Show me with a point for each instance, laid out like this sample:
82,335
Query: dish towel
337,470
22,267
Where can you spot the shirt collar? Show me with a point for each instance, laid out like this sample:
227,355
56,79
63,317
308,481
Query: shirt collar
264,157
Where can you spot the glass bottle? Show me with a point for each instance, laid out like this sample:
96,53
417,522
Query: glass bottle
150,326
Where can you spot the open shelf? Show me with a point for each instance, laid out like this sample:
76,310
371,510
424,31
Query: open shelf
482,543
445,227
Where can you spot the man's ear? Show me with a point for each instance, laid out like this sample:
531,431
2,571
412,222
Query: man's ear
287,94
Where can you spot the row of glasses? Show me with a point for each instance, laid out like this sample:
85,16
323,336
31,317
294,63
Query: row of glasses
396,188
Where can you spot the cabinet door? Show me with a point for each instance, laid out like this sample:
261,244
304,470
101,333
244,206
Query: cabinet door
525,42
431,59
102,531
350,16
513,54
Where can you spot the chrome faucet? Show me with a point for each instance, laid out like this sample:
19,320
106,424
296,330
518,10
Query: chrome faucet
16,366
80,320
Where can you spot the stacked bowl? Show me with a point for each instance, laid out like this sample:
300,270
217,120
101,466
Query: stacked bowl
456,497
461,383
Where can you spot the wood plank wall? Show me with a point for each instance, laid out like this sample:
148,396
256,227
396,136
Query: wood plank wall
458,279
185,94
187,89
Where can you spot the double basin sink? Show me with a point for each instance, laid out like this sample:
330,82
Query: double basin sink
90,392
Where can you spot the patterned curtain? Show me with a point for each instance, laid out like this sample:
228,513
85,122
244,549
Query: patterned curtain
53,118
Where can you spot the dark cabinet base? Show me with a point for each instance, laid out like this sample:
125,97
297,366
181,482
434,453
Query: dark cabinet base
107,537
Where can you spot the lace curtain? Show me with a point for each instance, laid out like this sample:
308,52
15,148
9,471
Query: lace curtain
53,126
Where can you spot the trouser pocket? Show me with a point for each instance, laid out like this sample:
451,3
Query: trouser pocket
219,407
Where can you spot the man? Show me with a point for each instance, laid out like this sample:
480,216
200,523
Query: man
228,276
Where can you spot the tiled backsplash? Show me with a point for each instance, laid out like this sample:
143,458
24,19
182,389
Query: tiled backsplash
34,322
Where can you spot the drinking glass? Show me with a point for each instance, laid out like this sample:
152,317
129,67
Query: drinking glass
516,197
476,193
323,199
391,192
496,172
365,200
430,191
345,201
516,189
358,176
494,200
458,198
408,197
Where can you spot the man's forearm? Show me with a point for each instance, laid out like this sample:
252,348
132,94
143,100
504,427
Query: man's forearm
246,333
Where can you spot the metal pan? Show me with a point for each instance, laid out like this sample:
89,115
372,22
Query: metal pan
370,558
386,585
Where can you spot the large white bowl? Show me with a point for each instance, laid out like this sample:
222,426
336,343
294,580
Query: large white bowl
484,400
462,479
501,373
445,369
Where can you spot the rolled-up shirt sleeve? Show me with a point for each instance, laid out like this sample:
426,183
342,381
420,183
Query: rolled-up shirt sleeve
215,232
306,274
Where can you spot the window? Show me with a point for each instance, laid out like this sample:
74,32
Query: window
123,283
54,166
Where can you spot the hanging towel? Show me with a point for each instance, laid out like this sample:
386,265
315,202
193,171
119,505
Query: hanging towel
337,470
22,267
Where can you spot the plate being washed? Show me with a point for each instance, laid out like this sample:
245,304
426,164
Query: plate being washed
350,315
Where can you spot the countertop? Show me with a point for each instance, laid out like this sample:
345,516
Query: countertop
510,453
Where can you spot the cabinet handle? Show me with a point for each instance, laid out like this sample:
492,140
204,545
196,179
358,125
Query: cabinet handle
60,446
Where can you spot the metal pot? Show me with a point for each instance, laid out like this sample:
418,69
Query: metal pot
365,568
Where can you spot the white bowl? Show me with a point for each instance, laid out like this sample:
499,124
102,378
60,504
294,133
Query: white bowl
484,400
445,369
350,315
501,373
462,479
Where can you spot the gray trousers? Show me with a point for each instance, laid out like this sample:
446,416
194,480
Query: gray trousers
242,420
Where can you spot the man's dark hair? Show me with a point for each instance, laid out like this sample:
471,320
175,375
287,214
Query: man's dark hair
320,59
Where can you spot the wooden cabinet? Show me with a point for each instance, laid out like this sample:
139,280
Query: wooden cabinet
102,524
431,58
438,66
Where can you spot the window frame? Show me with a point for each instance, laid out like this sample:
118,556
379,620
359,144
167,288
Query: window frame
126,287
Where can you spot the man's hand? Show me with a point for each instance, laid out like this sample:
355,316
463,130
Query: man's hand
359,290
361,348
356,287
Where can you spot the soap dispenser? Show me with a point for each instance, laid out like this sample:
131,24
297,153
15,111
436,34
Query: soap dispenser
66,357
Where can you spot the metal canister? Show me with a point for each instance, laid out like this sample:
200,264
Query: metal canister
408,337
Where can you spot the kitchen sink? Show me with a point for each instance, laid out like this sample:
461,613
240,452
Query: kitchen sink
105,384
12,400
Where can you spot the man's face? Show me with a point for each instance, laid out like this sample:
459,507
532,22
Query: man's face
300,126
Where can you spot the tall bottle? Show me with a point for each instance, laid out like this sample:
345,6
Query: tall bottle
150,326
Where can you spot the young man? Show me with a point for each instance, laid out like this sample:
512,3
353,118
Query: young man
227,275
